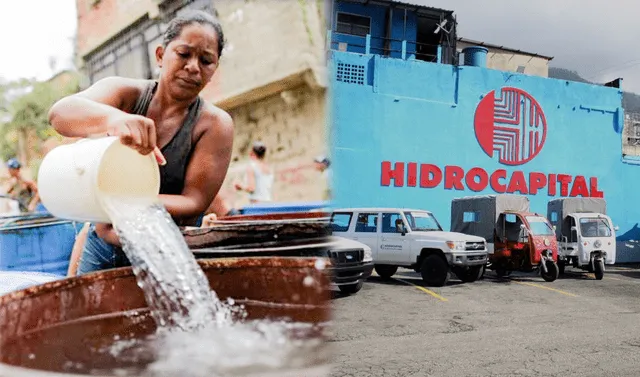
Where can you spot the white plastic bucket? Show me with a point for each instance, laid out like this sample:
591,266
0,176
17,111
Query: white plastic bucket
73,178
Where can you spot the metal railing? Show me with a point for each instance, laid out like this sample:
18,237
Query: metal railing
404,48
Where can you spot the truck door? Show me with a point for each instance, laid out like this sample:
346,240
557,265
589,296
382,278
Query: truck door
394,247
366,231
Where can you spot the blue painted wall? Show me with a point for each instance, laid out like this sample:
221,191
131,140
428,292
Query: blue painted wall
414,111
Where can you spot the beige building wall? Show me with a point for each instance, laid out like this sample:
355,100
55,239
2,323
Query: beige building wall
505,60
292,125
272,45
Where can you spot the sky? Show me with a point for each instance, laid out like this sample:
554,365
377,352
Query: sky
32,31
600,40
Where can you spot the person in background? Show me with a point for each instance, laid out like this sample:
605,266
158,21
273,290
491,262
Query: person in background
191,139
322,164
258,180
24,191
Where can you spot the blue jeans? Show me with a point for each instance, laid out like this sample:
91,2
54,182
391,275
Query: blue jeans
99,255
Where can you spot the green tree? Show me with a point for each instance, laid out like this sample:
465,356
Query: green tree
26,117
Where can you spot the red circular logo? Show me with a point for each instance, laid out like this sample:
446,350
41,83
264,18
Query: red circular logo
512,124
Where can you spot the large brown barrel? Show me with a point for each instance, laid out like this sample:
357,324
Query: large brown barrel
36,320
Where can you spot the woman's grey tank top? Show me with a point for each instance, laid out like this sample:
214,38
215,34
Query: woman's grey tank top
178,151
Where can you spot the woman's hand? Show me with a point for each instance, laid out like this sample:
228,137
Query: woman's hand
108,233
137,132
209,220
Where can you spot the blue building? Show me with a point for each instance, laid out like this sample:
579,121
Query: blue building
413,125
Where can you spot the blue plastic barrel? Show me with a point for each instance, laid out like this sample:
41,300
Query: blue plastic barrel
16,280
264,208
36,243
475,56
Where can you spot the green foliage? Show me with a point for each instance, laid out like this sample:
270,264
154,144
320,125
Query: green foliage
26,116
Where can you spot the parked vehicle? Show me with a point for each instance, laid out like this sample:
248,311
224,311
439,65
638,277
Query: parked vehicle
585,234
412,239
518,240
351,264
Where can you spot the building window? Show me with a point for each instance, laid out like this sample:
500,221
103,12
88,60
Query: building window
353,24
131,53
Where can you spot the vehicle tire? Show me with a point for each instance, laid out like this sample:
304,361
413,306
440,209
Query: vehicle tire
552,271
435,271
598,269
484,269
471,274
385,271
351,288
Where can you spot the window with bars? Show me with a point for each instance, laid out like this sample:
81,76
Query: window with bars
353,24
131,53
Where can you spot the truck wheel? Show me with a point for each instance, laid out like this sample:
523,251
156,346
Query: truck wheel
484,269
385,271
598,269
351,288
471,274
552,271
435,271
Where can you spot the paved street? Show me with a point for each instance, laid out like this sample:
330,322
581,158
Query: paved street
522,326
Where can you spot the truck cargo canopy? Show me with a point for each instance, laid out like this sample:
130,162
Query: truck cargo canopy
563,207
478,215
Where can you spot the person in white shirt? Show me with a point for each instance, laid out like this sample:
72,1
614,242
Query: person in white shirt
258,181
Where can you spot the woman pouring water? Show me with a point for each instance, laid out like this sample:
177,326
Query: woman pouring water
191,139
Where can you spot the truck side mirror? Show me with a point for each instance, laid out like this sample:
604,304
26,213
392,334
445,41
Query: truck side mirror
574,228
616,228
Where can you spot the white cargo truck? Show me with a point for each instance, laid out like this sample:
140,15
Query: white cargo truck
585,234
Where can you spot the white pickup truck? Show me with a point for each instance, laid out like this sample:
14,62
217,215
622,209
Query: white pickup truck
412,239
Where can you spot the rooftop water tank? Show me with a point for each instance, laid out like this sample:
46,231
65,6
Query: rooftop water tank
475,56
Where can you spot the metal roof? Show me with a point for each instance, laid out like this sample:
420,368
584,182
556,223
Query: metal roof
489,45
419,8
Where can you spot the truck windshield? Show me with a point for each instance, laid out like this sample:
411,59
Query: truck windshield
594,227
539,226
422,221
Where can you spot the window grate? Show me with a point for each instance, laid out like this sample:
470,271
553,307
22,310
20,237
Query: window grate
350,73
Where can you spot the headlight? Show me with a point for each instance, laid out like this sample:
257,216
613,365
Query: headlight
597,243
456,245
368,257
